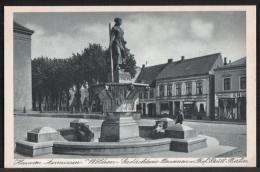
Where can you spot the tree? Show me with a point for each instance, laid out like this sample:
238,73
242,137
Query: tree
130,65
53,78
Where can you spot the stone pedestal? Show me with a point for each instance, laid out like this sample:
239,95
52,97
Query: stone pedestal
185,139
119,127
39,142
180,132
42,134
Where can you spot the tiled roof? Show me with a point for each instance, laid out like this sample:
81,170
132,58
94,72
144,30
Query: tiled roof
189,67
148,74
19,28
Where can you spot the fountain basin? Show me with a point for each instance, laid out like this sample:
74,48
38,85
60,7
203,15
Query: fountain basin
111,148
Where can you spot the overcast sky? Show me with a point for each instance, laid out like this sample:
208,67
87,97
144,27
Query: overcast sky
152,37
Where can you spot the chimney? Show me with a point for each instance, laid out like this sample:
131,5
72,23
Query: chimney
169,60
143,66
225,61
182,58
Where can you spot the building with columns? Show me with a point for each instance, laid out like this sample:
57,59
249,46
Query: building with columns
22,67
186,84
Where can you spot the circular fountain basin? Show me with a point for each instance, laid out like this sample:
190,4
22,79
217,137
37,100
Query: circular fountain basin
111,148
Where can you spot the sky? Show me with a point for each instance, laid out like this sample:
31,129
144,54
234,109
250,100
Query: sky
153,37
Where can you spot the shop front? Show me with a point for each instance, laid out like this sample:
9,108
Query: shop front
189,109
232,106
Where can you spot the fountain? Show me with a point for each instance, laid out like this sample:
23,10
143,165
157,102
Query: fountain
119,133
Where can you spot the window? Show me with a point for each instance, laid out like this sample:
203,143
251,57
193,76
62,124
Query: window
140,95
161,90
243,82
189,88
146,95
151,93
199,88
178,89
169,90
227,84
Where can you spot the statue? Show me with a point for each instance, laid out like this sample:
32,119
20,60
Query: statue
117,45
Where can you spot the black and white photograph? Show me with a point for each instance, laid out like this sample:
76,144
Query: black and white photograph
130,87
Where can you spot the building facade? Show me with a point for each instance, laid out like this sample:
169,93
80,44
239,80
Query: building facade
182,85
22,67
230,91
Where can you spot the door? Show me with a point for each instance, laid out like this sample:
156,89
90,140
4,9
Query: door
151,109
171,109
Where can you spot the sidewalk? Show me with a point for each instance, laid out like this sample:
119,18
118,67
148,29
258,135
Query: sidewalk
61,115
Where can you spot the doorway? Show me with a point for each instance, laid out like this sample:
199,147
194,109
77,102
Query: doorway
151,109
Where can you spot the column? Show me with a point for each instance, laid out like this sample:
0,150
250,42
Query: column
146,109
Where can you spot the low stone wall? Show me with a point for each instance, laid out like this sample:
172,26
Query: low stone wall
106,148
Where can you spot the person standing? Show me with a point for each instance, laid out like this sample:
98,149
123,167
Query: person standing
179,117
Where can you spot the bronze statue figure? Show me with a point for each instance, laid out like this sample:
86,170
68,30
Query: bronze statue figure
117,45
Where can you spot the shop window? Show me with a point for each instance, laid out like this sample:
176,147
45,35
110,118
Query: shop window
227,83
151,93
178,89
199,88
243,82
189,88
161,90
169,90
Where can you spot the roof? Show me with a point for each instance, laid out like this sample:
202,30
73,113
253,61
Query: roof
241,61
238,63
19,28
189,67
148,74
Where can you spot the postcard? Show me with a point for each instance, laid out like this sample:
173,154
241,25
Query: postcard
130,86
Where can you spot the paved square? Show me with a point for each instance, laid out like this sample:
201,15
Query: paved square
227,134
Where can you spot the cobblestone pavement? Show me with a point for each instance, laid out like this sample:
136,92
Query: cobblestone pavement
227,134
